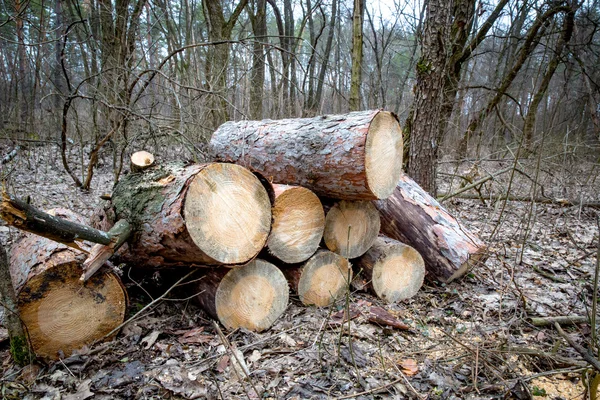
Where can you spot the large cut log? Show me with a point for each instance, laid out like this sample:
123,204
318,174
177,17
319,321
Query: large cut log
355,156
320,280
298,224
351,227
252,296
206,214
61,313
394,271
412,216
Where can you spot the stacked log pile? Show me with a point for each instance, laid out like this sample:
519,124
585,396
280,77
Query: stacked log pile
297,203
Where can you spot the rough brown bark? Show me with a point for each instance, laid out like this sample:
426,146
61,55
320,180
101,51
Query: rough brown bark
351,227
394,271
61,313
252,296
298,224
352,156
193,215
412,216
320,280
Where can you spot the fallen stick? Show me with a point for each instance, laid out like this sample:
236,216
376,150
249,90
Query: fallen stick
562,320
584,353
528,199
26,217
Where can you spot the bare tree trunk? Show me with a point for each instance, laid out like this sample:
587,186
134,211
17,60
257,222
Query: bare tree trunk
357,54
257,79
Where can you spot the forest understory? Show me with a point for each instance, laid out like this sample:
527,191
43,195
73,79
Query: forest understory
470,339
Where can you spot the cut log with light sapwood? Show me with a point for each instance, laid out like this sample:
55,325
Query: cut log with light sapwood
252,296
354,156
394,271
412,216
201,214
298,224
351,227
141,160
320,280
61,313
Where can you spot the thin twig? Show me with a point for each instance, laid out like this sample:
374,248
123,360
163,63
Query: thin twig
584,353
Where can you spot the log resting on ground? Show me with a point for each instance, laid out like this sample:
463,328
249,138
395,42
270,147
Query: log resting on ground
61,313
252,296
412,216
206,214
354,156
321,279
394,271
298,224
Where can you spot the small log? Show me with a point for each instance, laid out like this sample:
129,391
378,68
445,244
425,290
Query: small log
298,224
252,296
412,216
351,227
24,216
207,214
354,156
394,271
320,280
61,313
561,320
99,254
141,160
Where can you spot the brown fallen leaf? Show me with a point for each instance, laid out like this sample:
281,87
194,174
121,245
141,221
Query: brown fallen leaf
409,367
378,315
341,317
195,335
222,364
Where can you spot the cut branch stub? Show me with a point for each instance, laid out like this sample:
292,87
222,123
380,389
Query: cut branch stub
193,215
321,279
394,270
298,224
61,313
351,227
141,160
354,156
412,216
252,296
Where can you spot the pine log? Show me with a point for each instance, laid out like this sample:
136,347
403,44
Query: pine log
252,296
61,313
412,216
141,160
320,280
394,270
298,224
206,214
351,227
354,156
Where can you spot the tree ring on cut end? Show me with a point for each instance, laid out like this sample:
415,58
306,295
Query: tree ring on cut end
399,274
383,154
324,278
351,228
298,224
252,296
227,213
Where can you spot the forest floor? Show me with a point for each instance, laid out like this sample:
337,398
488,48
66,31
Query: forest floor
470,339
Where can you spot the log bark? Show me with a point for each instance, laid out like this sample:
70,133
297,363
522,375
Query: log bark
351,227
61,313
320,280
298,224
394,271
412,216
206,214
141,160
252,296
354,156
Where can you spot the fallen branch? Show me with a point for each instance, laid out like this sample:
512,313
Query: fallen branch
584,353
474,184
562,320
24,216
100,253
527,199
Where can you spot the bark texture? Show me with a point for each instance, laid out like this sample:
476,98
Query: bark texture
412,216
351,156
61,313
252,296
205,214
394,270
